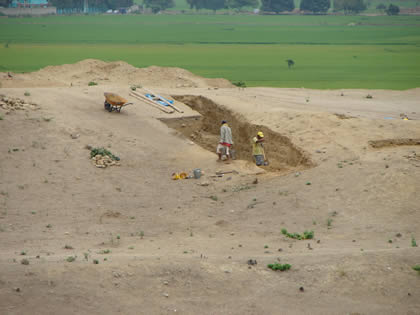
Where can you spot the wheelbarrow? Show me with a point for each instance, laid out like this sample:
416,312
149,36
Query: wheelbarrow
114,102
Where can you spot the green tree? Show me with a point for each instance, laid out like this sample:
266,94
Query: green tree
393,10
214,4
5,3
349,6
159,5
316,6
277,5
238,4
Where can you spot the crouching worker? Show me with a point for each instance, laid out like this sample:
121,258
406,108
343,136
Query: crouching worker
258,149
225,143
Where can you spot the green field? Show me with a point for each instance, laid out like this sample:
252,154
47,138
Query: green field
377,52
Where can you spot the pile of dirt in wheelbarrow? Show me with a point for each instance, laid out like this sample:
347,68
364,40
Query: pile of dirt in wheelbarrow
97,72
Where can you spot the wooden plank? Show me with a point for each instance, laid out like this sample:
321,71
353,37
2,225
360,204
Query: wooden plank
165,100
149,102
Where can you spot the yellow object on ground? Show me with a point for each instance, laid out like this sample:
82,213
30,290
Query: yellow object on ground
176,176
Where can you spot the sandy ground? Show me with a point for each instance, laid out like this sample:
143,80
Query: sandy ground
145,244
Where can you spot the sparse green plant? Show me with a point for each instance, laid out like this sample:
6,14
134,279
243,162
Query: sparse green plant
417,268
24,261
68,246
240,84
214,198
27,93
390,241
33,212
105,251
329,222
313,222
95,261
1,117
23,253
242,187
92,83
369,96
191,234
130,247
6,45
71,258
135,87
102,151
265,246
280,267
132,218
413,242
118,237
48,226
86,255
47,119
21,187
185,252
141,234
306,235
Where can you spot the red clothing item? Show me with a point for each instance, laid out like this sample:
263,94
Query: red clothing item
226,144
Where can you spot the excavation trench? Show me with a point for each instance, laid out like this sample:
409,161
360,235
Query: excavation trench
204,130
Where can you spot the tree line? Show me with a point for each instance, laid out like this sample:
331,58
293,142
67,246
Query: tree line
276,6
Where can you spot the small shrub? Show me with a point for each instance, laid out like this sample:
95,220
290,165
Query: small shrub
413,242
1,117
141,234
369,96
214,198
48,226
23,253
280,267
91,83
102,151
240,84
306,235
417,268
329,222
135,87
105,251
71,258
27,93
68,247
95,261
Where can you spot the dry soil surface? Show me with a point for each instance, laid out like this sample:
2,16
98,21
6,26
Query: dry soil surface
127,239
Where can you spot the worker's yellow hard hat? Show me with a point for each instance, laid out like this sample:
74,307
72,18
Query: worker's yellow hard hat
260,134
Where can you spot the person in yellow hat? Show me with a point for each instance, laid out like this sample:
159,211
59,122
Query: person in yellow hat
258,149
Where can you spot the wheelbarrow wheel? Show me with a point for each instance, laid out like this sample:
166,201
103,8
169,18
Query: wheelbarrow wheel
108,106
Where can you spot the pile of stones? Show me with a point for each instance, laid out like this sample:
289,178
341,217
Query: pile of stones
103,161
10,104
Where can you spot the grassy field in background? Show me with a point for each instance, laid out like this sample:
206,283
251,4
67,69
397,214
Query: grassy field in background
379,52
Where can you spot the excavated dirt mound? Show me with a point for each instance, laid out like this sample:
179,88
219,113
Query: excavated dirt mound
100,72
205,131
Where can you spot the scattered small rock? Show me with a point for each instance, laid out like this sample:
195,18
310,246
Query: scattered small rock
280,249
166,282
255,181
252,262
18,290
165,295
75,135
398,235
301,289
